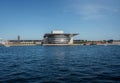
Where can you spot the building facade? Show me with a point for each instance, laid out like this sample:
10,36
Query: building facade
58,38
23,42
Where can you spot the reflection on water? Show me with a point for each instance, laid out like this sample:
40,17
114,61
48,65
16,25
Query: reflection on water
60,64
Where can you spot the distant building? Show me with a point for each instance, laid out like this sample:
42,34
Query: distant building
23,42
19,42
18,38
58,37
116,42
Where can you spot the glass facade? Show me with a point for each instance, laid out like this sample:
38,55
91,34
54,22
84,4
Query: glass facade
58,39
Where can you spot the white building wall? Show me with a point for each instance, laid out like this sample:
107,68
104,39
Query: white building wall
71,41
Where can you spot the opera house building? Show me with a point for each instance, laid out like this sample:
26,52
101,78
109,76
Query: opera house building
58,37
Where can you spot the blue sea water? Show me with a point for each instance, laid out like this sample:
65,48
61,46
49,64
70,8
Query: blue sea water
60,64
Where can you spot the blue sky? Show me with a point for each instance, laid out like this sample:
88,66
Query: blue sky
92,19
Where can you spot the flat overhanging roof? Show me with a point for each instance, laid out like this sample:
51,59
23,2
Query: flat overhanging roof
67,34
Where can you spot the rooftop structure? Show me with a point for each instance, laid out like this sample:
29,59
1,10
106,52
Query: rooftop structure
57,32
58,38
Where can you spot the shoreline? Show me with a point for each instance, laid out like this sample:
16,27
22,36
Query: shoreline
62,45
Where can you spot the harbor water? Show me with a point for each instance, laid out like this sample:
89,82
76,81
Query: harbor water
60,64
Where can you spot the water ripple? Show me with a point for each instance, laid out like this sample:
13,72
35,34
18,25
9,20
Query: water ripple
64,64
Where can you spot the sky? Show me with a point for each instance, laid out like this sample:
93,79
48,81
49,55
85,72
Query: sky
31,19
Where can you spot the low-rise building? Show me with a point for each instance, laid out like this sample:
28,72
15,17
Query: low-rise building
116,42
23,42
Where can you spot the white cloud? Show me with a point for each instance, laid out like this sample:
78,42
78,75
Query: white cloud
93,11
